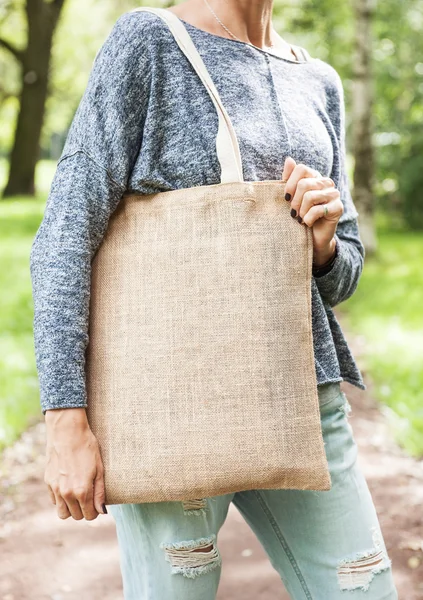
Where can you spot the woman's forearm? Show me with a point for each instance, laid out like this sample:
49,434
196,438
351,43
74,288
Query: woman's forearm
75,220
341,281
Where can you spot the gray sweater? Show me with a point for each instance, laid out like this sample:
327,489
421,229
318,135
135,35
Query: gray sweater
147,124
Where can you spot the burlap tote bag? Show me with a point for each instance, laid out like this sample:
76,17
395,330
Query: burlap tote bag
200,365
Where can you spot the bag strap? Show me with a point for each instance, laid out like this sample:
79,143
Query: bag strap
305,55
227,146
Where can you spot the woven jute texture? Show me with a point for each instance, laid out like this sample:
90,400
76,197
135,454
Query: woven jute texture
200,365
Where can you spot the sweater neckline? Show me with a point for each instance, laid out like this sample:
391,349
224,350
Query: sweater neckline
233,41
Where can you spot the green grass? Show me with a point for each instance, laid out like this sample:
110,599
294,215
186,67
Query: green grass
19,220
19,402
387,308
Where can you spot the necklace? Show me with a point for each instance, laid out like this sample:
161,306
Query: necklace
226,29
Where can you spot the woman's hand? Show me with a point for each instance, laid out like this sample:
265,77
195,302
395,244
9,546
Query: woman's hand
315,202
74,469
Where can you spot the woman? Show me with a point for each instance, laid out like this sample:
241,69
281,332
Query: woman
288,112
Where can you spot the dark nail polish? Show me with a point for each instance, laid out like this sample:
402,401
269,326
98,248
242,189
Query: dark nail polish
299,219
288,197
103,506
293,213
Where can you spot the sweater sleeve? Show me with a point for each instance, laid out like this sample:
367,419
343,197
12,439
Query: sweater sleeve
341,281
91,176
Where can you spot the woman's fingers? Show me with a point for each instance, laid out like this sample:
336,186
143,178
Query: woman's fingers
76,502
61,506
81,501
62,509
288,167
334,210
68,496
306,184
99,494
315,202
85,498
74,469
317,196
51,493
293,183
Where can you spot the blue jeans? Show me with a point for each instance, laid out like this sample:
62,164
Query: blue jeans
324,545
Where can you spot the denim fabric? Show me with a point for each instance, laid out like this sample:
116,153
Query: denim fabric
147,124
314,540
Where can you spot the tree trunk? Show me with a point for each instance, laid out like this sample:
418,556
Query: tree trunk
42,18
362,104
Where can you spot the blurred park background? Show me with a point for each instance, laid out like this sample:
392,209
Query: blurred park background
47,48
46,53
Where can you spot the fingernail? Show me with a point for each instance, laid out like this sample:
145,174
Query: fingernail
299,219
288,197
293,213
103,506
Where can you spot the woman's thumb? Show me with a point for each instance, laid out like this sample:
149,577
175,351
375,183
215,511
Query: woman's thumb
288,167
99,492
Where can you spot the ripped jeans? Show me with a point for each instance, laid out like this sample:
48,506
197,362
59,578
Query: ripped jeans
324,545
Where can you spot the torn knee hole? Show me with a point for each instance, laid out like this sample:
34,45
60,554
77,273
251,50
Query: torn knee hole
194,557
359,572
346,408
194,507
208,549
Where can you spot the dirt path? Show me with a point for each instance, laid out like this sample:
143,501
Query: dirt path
45,558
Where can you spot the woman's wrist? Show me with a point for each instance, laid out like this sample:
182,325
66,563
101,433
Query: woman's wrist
66,417
324,260
323,255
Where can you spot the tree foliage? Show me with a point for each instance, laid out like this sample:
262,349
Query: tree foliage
324,27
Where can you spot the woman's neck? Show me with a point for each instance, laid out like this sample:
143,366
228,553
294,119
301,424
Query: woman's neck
249,20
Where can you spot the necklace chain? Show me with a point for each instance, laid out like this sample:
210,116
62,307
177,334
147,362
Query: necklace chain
226,29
